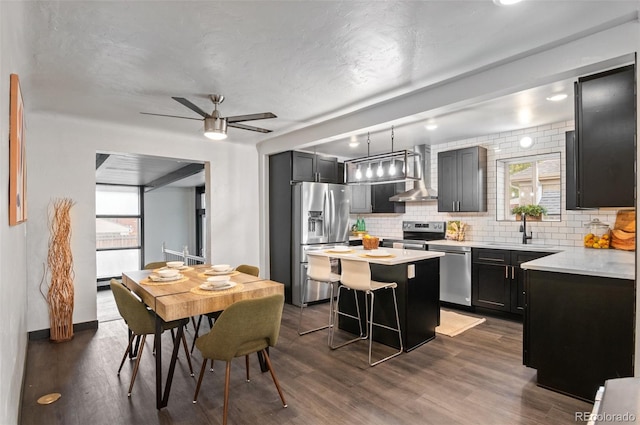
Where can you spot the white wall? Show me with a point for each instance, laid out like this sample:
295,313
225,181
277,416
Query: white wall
13,240
483,225
169,217
231,199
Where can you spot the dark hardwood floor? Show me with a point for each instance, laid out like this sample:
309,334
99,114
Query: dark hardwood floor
474,378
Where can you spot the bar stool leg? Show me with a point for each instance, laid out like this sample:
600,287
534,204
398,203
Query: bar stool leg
303,305
337,312
397,329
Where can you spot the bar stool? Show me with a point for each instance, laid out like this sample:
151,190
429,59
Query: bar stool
356,276
319,270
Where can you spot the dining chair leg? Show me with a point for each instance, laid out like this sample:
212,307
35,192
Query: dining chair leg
211,368
273,376
227,377
126,352
204,366
135,368
186,352
246,363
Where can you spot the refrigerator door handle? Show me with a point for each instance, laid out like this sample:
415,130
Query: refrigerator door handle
332,211
326,213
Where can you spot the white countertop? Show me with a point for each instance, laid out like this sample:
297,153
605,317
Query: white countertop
397,256
612,263
500,245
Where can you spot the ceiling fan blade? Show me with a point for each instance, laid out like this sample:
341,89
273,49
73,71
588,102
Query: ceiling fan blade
250,117
171,116
190,105
248,127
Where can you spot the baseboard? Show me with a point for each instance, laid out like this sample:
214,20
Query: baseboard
77,327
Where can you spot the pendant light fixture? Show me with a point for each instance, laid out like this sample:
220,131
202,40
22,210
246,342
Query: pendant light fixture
388,166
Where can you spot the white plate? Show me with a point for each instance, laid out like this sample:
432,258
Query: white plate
340,249
217,287
378,253
211,272
156,278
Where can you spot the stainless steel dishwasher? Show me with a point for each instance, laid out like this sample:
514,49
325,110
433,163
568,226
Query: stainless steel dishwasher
455,273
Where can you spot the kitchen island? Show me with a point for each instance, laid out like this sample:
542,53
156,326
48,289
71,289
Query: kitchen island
417,274
579,319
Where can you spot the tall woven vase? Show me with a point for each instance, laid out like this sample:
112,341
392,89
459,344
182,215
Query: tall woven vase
60,261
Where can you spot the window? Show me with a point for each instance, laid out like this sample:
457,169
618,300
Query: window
531,180
118,230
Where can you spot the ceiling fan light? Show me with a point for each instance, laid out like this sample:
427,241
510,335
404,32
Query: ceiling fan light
215,128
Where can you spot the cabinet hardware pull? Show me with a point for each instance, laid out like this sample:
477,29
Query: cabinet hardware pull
453,205
512,272
506,272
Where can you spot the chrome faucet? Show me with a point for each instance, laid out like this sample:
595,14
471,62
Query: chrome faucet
523,229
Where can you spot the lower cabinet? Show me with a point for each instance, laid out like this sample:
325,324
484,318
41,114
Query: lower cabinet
578,331
498,280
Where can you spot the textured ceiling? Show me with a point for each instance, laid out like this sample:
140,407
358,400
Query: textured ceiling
305,61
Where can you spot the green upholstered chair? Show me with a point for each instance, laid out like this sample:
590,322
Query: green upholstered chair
141,322
245,327
155,265
242,268
247,269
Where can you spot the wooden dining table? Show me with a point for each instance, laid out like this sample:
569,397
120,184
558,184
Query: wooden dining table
182,298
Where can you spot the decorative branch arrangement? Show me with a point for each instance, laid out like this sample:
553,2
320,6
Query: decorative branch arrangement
60,296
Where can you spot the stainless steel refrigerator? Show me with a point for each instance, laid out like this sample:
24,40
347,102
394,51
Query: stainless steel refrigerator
320,220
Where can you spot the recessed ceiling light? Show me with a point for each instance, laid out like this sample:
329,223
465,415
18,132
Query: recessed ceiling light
526,142
431,127
506,2
354,144
557,97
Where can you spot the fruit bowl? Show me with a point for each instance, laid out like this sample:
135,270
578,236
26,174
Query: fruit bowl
370,242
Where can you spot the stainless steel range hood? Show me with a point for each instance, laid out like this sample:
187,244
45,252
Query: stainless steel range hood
421,189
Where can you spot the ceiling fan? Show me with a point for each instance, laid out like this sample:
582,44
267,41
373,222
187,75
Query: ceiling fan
215,126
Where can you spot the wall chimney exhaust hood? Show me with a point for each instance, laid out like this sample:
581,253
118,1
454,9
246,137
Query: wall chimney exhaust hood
421,190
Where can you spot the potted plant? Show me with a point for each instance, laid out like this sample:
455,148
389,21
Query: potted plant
532,211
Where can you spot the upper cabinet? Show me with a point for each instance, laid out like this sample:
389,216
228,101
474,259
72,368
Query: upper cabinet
375,198
309,167
601,153
360,199
380,194
462,180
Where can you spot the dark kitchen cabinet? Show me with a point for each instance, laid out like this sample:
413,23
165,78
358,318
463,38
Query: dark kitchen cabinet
309,167
498,280
578,330
601,153
380,194
462,180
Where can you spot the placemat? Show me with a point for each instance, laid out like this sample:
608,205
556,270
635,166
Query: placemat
204,275
377,256
198,291
331,251
149,282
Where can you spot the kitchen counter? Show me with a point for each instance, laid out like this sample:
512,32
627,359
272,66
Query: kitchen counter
397,256
417,275
500,245
612,263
